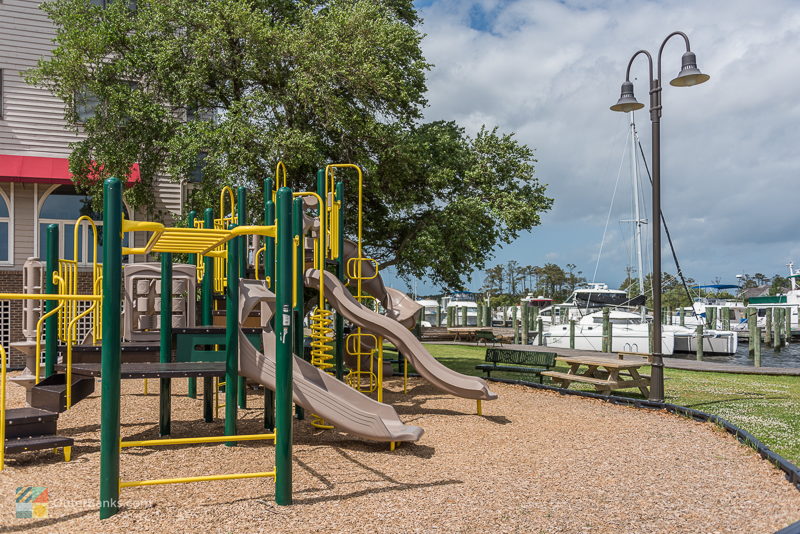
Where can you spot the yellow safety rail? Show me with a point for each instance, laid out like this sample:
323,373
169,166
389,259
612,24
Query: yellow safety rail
225,220
356,377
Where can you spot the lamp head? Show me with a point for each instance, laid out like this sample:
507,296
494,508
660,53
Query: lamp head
689,75
627,102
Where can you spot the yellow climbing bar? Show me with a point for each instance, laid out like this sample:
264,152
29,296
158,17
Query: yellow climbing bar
192,441
201,241
184,480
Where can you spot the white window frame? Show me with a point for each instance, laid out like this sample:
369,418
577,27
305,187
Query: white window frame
9,200
84,234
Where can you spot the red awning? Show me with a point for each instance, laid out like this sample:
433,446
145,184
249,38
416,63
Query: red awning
34,169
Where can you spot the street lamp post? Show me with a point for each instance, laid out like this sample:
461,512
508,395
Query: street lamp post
688,76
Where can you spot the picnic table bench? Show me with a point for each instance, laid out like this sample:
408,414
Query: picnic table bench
519,361
604,374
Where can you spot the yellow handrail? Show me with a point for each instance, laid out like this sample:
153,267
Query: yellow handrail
256,264
73,327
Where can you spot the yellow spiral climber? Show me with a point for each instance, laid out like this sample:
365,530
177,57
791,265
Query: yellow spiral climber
321,351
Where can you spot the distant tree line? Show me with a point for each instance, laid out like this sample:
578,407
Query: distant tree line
509,282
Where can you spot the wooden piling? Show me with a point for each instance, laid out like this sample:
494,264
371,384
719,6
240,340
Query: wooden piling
777,327
540,332
755,342
751,328
768,328
526,317
606,330
572,333
698,341
787,326
683,316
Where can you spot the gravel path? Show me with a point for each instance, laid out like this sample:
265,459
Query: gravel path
537,462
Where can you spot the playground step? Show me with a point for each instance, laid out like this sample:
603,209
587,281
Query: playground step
51,393
35,443
27,422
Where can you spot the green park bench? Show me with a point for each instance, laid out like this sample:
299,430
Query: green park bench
487,336
517,361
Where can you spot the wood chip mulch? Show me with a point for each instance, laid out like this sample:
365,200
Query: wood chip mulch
536,462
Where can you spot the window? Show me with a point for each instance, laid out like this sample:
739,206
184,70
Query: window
5,229
86,103
63,207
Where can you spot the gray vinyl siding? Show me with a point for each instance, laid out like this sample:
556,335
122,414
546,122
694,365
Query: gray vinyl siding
33,120
24,207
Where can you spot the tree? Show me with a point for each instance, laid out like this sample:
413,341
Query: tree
226,88
495,278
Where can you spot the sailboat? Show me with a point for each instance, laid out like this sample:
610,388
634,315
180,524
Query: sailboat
629,328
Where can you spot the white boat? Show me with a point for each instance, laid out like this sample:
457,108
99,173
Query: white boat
459,301
628,334
430,312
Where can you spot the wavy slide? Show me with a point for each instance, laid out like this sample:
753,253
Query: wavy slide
318,392
427,366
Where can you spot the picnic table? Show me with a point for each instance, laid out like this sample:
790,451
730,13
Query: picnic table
463,333
604,374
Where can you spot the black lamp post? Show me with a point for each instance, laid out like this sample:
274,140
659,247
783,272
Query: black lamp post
688,76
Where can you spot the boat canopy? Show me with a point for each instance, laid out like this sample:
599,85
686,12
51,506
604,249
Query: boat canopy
717,286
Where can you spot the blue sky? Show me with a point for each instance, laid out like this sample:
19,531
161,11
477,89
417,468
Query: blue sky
548,70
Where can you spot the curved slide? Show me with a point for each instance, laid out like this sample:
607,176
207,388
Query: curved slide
427,366
318,392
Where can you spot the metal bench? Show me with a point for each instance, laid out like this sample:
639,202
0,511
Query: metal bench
487,336
520,362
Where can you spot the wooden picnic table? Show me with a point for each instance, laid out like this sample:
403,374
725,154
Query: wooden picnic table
604,374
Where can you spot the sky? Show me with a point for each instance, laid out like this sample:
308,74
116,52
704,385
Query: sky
730,148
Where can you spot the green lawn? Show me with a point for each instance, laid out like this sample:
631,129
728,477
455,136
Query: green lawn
766,406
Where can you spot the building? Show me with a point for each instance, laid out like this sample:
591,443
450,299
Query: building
35,185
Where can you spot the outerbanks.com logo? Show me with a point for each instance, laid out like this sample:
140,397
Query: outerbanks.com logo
31,502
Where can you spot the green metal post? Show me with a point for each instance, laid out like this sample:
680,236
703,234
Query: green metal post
165,354
241,217
297,312
572,333
232,341
283,350
269,274
51,323
339,321
110,352
698,341
192,386
207,316
526,318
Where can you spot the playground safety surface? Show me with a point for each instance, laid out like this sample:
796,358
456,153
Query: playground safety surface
536,462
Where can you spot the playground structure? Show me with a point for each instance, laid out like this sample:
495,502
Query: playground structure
303,234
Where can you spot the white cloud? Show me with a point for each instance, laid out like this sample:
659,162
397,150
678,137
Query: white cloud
549,70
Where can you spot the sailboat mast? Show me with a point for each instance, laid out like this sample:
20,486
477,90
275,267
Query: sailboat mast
637,219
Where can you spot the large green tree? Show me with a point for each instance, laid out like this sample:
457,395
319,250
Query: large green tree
226,88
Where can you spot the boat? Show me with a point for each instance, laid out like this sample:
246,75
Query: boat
629,333
460,300
431,312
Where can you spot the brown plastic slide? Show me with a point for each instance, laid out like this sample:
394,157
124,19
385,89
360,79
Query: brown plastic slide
318,392
398,305
443,378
